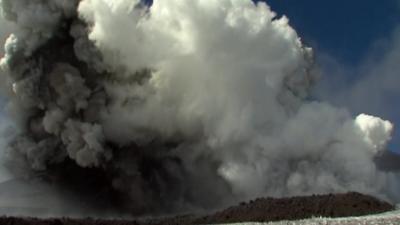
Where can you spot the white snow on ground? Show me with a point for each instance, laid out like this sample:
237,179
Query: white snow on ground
388,218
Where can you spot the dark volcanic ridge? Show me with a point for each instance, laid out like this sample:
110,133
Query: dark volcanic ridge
258,210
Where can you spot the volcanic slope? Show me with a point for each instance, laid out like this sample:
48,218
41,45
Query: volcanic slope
261,210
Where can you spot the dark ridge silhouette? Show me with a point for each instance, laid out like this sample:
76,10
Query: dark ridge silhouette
259,210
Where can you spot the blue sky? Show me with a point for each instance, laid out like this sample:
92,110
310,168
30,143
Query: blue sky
355,35
344,29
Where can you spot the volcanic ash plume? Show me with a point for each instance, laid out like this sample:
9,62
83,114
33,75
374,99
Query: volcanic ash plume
177,106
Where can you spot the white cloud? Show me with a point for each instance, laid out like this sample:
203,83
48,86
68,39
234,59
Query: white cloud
5,31
232,74
371,86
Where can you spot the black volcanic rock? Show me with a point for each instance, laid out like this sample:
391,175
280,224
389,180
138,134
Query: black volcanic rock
259,210
294,208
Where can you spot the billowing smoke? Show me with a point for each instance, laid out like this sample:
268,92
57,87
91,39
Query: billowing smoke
178,106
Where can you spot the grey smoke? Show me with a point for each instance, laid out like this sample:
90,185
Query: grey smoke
378,78
184,105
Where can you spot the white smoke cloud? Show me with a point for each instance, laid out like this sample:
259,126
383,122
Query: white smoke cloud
234,74
6,28
5,31
375,89
225,79
187,58
36,20
375,130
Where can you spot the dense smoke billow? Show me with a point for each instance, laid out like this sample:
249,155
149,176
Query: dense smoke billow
179,106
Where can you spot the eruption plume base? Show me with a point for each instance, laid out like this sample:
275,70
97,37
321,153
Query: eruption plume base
183,105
